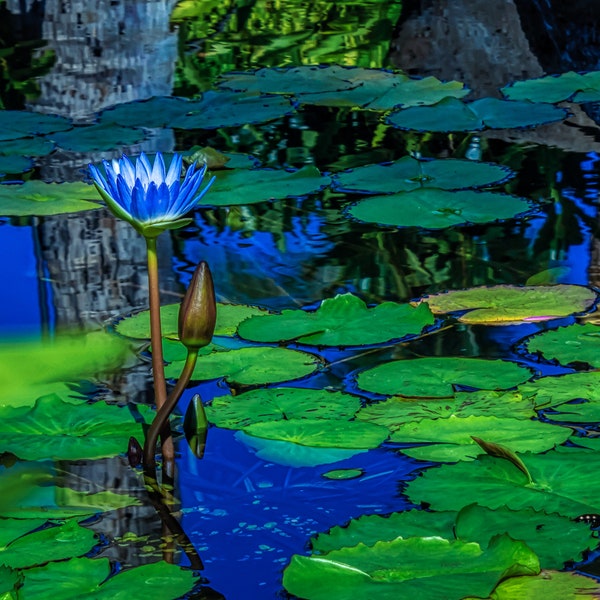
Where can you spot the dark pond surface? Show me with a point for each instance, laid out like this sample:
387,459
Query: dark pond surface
247,515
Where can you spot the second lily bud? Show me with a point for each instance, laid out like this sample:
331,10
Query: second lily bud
198,311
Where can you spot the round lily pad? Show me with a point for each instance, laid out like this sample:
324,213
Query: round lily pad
271,404
103,136
226,109
249,186
450,114
229,316
434,208
409,568
549,585
30,146
250,366
342,474
575,87
553,391
450,439
505,304
573,344
321,433
344,320
437,377
18,124
43,199
157,111
408,174
14,164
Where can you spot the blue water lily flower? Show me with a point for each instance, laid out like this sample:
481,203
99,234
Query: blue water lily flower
149,196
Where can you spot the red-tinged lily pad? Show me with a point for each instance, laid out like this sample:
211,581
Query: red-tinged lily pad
507,304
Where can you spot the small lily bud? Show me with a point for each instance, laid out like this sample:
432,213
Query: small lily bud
134,453
198,311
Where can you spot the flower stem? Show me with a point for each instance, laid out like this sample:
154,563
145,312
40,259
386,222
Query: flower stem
162,416
158,367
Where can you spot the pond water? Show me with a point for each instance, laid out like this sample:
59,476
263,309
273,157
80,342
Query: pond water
248,506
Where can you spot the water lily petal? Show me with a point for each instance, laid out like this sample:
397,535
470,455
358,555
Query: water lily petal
125,168
174,172
158,170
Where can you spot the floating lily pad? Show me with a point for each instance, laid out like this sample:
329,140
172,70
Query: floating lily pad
226,109
408,174
249,186
43,199
370,529
437,377
157,111
573,344
12,529
294,455
549,585
91,578
49,544
344,320
321,433
343,474
538,530
434,208
374,89
505,304
450,439
31,146
229,316
450,114
250,366
103,136
14,164
409,568
556,390
10,580
256,406
561,484
18,124
55,430
395,412
575,87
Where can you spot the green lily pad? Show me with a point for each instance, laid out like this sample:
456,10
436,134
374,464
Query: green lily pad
370,529
18,124
450,114
506,304
91,578
26,367
250,366
397,411
10,580
417,567
49,544
343,474
573,344
556,390
294,455
250,186
436,377
225,109
103,136
549,585
344,320
33,497
321,433
374,89
229,316
561,483
12,529
450,439
30,146
408,173
538,530
43,199
14,164
434,208
57,430
271,404
575,87
157,111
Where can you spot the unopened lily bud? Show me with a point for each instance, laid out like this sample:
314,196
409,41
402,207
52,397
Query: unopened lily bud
198,311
